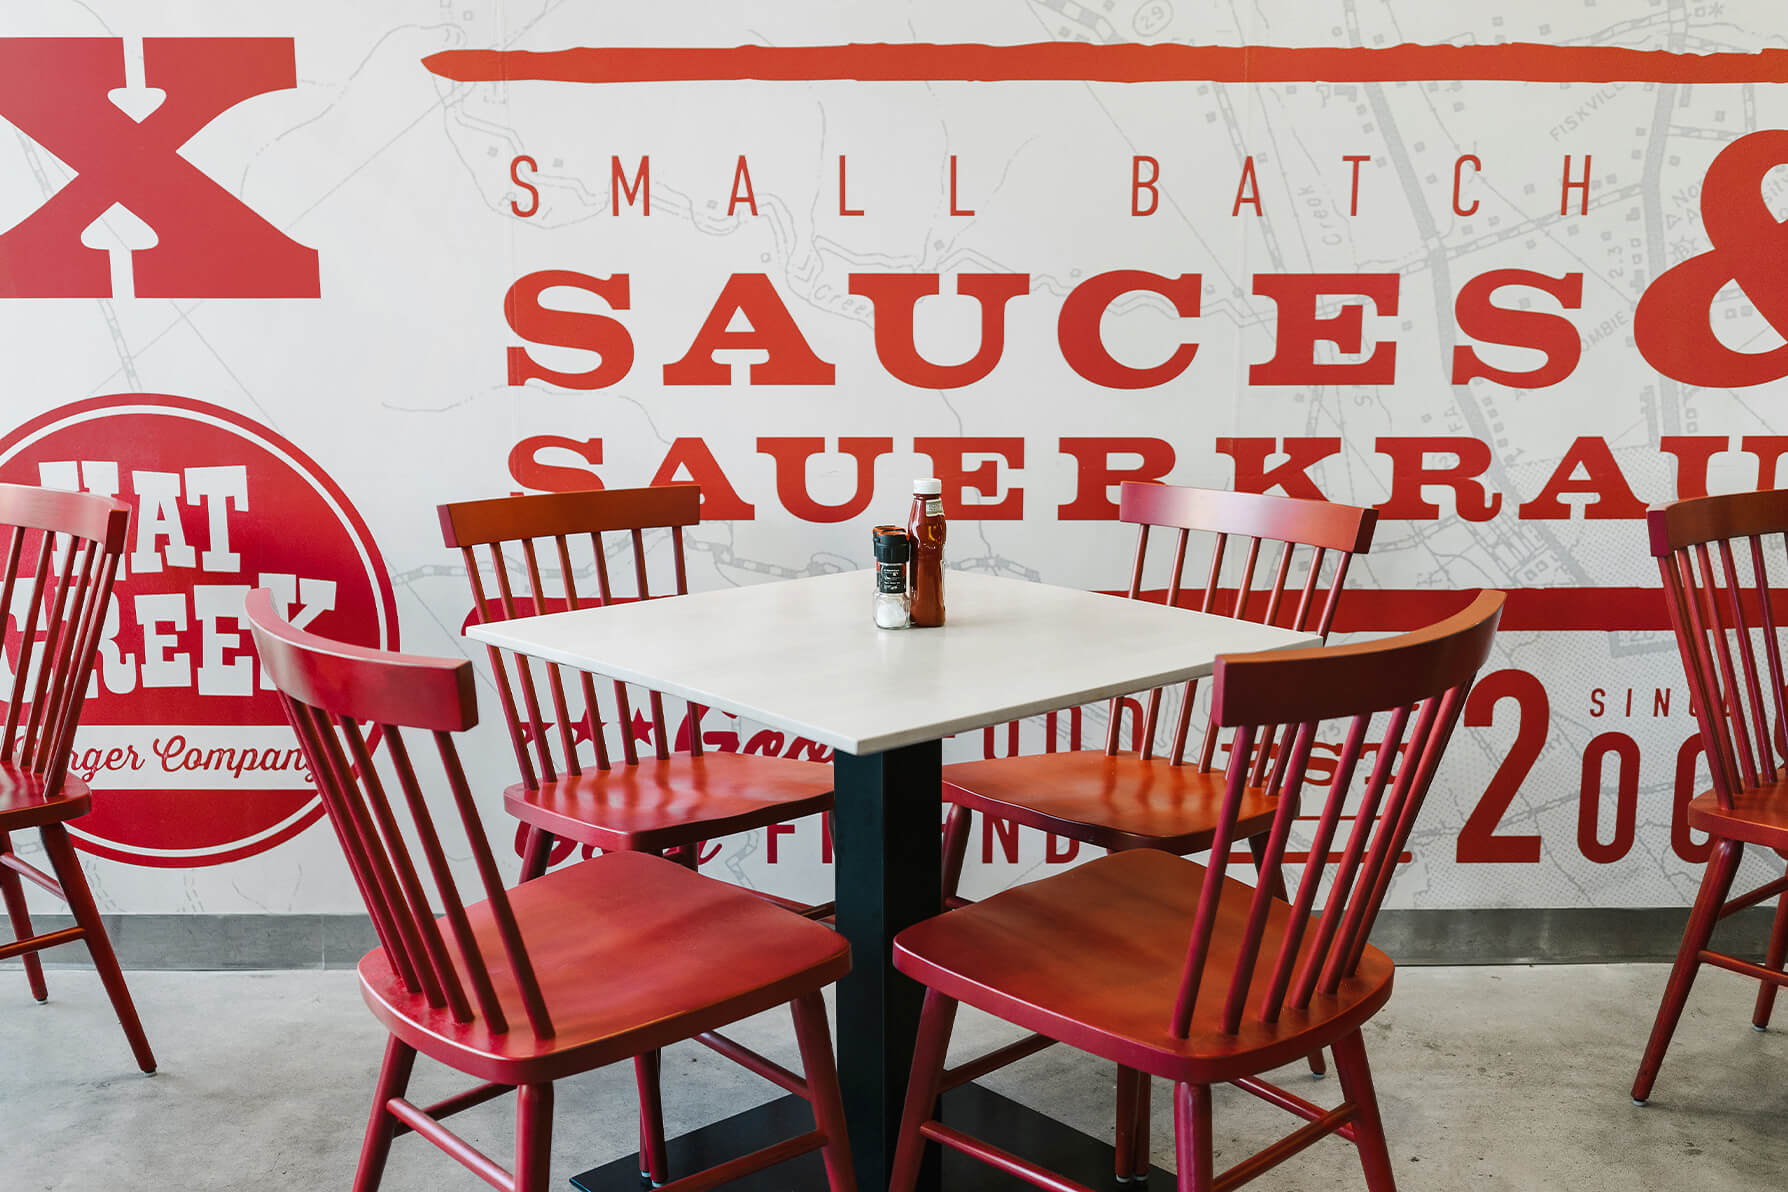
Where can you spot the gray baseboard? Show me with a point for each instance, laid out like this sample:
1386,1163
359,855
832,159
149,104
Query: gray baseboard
1560,936
1501,936
210,942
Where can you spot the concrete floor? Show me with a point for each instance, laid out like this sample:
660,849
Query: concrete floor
1490,1078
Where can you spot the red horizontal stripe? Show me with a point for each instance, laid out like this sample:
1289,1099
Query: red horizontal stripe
1588,610
1585,610
1556,610
1395,610
1077,61
1244,857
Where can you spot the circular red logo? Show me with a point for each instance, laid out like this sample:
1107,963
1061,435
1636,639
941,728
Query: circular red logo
189,756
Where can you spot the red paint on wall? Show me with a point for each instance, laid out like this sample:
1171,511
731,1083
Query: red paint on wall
1045,61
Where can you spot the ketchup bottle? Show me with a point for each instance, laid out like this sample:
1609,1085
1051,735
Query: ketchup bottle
925,570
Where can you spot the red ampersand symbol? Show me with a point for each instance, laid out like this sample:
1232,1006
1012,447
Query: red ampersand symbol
1750,246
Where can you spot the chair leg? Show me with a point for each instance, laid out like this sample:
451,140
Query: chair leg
654,1167
1139,1157
1132,1151
1778,952
533,1136
956,840
14,892
67,869
1126,1122
381,1127
1716,883
536,853
1192,1137
815,1040
1368,1127
929,1051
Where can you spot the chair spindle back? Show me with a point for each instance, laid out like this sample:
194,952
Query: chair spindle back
569,528
329,689
62,554
1716,607
1419,682
1317,534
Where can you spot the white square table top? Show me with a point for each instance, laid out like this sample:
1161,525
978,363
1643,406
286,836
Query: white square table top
805,655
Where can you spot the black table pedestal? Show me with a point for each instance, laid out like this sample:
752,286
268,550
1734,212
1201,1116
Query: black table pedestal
889,876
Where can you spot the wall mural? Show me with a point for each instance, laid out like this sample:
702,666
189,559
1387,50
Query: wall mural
286,277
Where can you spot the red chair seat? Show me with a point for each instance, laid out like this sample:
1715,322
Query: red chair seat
1093,957
661,804
22,802
734,955
1113,802
1758,816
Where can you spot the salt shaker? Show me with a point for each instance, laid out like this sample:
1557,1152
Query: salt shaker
891,551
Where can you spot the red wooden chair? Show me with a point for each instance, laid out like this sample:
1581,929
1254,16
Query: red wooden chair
1173,969
1722,606
668,802
577,969
679,796
1117,799
61,558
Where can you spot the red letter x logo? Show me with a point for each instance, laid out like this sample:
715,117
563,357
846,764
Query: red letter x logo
209,244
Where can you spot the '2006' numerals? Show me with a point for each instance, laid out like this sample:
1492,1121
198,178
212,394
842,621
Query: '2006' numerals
1481,842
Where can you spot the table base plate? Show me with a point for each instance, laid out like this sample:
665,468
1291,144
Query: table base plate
971,1108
